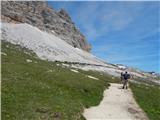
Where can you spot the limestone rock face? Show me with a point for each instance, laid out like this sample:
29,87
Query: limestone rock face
39,14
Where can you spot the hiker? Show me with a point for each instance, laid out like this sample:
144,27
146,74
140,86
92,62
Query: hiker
126,76
122,78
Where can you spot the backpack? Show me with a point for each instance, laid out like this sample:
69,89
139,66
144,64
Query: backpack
127,76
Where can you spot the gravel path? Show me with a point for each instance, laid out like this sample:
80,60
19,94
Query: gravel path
117,104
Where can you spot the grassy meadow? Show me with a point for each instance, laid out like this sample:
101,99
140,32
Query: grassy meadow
148,98
34,89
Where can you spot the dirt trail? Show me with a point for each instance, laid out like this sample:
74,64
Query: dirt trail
117,104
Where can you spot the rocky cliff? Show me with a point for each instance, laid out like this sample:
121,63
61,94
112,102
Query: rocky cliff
39,14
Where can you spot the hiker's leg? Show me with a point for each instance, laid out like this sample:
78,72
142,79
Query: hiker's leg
123,86
121,81
124,83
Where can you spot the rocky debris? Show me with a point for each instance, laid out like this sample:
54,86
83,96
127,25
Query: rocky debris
28,61
74,71
39,14
56,115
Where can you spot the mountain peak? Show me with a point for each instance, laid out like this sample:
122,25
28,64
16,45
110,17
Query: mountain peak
63,13
40,15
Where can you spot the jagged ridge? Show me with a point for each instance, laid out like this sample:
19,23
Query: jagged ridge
39,14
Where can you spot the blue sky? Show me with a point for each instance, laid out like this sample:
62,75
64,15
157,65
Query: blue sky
120,32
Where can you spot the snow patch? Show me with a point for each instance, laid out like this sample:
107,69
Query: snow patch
66,65
92,77
28,61
104,69
122,67
74,71
58,64
2,53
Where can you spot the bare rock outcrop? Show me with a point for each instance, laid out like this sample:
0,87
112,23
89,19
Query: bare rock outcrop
39,14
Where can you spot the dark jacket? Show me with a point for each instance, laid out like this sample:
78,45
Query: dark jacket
126,76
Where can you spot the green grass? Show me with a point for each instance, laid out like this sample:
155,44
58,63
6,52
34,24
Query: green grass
146,81
148,97
41,90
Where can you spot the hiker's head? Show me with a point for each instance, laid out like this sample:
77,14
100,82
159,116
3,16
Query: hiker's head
126,72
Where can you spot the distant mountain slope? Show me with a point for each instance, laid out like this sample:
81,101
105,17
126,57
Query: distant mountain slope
49,47
46,46
39,14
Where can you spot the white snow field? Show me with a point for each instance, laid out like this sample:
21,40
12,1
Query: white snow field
49,47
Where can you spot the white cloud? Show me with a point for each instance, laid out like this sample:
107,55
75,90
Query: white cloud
98,18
